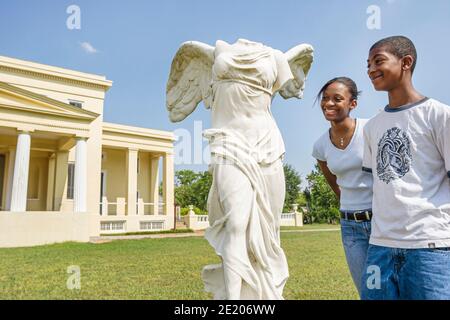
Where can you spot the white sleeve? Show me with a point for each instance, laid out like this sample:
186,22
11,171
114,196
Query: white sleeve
443,136
318,152
284,72
367,155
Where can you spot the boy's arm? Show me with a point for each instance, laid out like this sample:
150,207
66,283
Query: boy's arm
367,156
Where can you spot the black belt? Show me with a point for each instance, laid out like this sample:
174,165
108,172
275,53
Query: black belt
363,215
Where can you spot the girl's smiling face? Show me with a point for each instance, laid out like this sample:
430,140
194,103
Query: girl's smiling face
337,102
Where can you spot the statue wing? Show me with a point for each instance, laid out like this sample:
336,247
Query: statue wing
300,59
189,79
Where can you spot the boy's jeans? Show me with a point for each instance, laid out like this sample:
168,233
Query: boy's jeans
355,238
392,273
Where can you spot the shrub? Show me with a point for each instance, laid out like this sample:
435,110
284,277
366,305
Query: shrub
185,211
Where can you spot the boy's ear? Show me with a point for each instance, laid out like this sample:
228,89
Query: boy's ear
407,62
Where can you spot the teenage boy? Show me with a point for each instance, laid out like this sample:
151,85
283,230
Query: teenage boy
407,149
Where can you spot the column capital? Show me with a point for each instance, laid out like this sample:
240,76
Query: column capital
133,149
24,130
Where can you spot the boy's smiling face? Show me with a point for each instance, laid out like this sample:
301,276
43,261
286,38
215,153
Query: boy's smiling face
385,70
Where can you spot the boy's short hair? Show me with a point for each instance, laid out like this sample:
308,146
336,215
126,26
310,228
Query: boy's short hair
399,46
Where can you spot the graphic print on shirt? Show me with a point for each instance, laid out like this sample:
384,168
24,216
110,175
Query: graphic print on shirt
394,155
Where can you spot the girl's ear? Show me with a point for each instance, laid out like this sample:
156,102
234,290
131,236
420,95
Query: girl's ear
353,104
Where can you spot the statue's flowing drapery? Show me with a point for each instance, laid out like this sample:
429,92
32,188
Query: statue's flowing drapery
244,220
265,271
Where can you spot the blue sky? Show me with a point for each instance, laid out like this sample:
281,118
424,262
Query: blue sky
135,41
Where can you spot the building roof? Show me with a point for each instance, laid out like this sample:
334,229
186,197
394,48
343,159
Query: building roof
52,72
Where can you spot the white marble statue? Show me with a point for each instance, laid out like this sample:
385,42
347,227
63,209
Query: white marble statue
237,82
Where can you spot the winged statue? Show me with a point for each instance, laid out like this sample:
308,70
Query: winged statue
238,82
191,76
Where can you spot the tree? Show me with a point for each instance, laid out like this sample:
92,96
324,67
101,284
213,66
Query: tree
201,189
185,177
192,188
184,194
302,200
323,203
293,181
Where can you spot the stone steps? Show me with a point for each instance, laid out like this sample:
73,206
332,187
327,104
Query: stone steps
181,225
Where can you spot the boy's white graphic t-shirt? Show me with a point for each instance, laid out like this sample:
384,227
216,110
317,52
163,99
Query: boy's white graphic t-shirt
355,185
407,149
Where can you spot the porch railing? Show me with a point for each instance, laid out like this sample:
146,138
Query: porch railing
153,208
119,207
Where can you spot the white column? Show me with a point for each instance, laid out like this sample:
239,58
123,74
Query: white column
132,156
104,206
61,170
11,160
51,182
168,185
20,179
154,184
80,179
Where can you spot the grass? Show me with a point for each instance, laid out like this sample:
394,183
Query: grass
142,233
313,226
163,269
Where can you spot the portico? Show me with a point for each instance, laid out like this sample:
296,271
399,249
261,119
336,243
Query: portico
136,154
35,150
65,174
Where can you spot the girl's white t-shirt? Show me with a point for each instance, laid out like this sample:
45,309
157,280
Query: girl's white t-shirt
346,164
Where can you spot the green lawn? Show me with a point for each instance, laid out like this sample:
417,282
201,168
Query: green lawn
163,269
314,226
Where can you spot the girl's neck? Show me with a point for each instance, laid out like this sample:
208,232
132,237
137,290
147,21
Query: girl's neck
342,126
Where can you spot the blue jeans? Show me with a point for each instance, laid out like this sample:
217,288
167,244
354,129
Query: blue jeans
355,238
413,274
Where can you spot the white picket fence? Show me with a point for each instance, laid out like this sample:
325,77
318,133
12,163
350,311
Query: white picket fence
201,222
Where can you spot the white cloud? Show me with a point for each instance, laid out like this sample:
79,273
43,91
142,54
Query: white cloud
88,48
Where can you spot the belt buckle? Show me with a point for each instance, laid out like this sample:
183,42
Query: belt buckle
367,215
356,217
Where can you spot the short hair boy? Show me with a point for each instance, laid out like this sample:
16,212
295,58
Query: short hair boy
407,149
